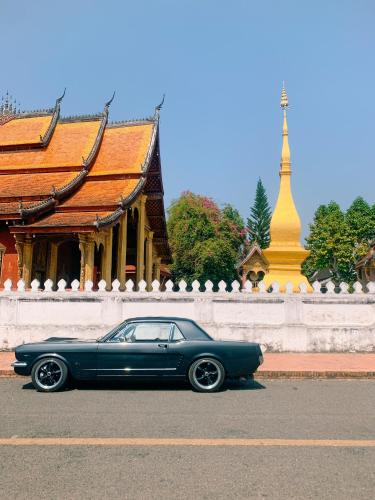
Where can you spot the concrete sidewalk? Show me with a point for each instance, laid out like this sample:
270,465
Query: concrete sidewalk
285,365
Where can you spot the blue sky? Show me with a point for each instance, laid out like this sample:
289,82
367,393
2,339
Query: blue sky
221,65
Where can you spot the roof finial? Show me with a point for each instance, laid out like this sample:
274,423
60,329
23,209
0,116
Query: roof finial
284,98
108,103
159,106
59,99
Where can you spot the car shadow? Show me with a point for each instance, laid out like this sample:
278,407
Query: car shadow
230,385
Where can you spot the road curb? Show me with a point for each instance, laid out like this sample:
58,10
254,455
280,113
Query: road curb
271,374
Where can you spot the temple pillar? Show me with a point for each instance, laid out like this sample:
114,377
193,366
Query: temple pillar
149,261
157,269
27,260
52,264
107,259
86,246
141,239
121,250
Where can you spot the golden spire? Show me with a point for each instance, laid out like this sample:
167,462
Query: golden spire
285,253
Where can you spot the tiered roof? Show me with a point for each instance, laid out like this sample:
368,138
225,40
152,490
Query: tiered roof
79,173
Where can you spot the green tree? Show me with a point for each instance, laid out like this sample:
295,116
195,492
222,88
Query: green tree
360,217
331,244
205,240
260,218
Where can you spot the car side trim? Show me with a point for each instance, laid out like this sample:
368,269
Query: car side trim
129,369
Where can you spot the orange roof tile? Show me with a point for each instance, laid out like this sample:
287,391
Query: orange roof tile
123,150
101,193
24,185
24,130
69,143
69,219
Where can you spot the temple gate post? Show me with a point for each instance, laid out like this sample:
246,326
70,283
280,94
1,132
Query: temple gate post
52,264
141,240
27,260
107,259
149,260
121,250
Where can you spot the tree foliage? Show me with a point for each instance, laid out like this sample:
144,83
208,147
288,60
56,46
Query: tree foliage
260,218
337,239
205,240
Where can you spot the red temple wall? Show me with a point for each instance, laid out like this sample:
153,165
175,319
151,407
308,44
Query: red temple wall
9,268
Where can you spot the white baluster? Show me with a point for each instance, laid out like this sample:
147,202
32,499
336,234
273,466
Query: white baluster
8,285
116,285
275,287
88,286
316,287
169,286
102,285
195,286
248,288
182,286
235,286
48,284
303,287
344,287
35,285
262,287
330,287
129,285
142,286
155,286
370,286
208,286
358,287
20,285
222,286
75,285
61,285
289,287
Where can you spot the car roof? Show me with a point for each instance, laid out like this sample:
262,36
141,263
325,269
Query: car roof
159,318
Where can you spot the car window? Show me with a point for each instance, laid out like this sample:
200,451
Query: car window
176,334
143,332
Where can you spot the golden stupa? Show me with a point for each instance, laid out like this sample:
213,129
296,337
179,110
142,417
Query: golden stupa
285,253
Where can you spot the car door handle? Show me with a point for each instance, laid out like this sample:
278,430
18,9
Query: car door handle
163,345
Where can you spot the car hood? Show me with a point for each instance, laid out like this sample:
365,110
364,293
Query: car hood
61,340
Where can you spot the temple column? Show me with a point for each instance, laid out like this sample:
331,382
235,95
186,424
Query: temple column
149,261
52,264
107,259
121,250
141,239
27,260
86,246
157,269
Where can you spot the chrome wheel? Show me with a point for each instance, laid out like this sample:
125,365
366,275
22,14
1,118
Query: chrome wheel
49,374
206,375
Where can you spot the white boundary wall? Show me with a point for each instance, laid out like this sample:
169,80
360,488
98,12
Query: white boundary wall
300,322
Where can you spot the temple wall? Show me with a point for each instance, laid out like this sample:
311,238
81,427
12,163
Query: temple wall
312,322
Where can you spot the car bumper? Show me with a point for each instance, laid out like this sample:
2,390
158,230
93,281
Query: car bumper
21,367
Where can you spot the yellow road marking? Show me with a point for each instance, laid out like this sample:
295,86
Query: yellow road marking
92,441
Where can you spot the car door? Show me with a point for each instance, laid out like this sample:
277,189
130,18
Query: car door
138,349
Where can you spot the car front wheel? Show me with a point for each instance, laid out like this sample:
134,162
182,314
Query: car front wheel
206,375
49,375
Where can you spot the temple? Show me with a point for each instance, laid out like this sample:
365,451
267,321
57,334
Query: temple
285,253
80,198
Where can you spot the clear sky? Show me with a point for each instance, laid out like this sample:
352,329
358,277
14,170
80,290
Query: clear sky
221,65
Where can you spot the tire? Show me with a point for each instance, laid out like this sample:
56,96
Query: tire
206,375
49,375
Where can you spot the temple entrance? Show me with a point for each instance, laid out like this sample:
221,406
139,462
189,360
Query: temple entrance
39,265
68,262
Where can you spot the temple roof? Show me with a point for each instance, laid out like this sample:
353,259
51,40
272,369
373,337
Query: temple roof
59,174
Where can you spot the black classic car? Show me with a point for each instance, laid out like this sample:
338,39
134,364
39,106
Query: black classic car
160,347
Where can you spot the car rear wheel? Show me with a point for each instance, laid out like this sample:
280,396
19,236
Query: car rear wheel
206,375
49,375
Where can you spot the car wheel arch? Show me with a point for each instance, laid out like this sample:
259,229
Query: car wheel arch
53,355
207,355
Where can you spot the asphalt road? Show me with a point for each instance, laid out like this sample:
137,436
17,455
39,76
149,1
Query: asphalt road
305,410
